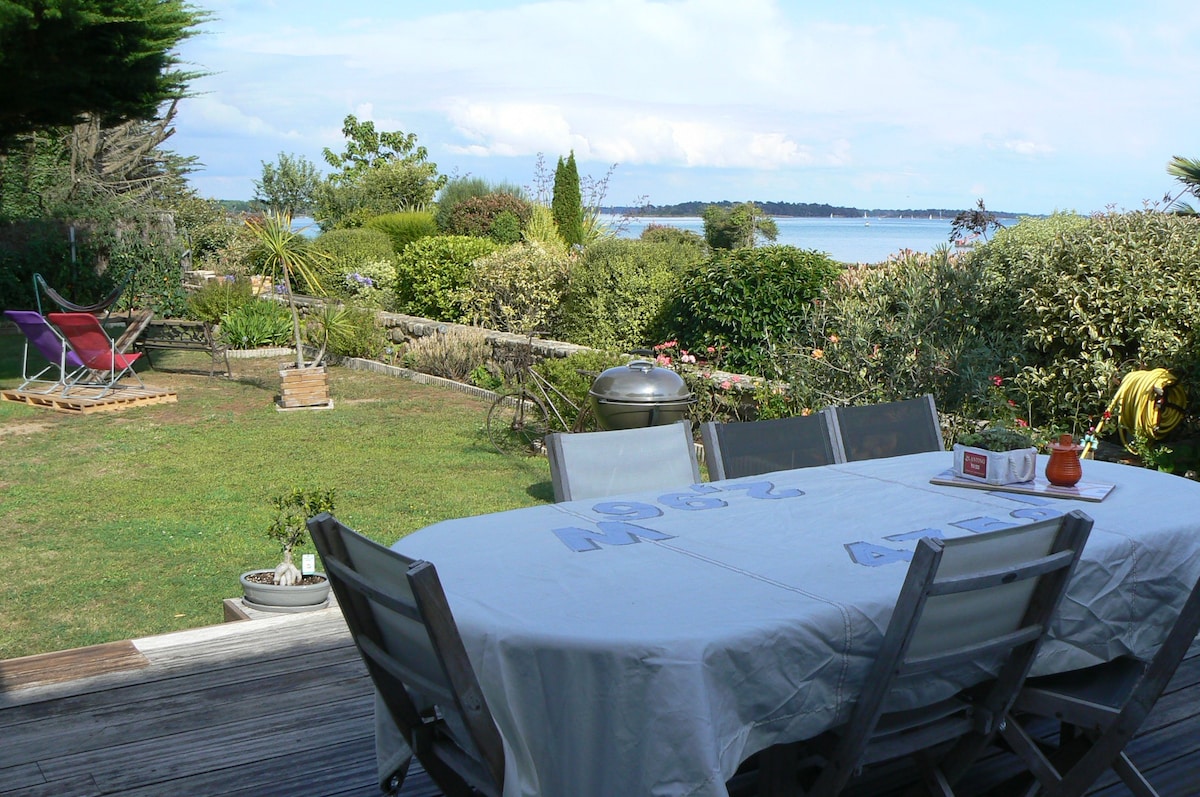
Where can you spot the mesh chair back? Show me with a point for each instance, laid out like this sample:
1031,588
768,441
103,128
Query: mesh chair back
732,450
981,603
401,623
887,430
597,464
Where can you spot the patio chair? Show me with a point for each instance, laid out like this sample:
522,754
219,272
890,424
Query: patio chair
887,430
1099,710
978,602
96,350
45,339
402,626
597,464
748,449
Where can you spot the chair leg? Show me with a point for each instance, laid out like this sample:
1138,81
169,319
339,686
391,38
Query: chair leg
1133,777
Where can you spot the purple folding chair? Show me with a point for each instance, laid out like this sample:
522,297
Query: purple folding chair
46,340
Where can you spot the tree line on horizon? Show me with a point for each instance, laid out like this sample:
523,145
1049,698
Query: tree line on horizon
788,209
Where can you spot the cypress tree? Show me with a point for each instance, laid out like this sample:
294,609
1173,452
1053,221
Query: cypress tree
567,202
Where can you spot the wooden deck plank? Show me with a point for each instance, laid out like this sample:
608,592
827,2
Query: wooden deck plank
229,711
70,664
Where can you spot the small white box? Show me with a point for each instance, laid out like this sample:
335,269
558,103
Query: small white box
995,467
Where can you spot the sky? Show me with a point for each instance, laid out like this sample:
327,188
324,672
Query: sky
1034,107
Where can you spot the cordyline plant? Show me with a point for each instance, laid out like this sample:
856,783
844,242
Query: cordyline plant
289,254
288,527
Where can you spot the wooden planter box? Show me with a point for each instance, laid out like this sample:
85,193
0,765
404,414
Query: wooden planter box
307,387
995,467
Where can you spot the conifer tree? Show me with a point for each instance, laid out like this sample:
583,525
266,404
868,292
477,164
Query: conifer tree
567,203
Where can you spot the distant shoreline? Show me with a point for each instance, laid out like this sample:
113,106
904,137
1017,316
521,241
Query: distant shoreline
801,210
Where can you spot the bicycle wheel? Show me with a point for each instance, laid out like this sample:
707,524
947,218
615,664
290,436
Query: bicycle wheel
586,420
518,423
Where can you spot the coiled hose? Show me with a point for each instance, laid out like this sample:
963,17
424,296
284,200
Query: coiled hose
1148,403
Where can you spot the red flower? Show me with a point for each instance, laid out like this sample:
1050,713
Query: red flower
997,381
1021,422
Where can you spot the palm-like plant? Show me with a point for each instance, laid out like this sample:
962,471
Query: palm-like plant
1186,171
288,254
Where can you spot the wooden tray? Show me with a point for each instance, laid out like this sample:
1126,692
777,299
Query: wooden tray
1083,491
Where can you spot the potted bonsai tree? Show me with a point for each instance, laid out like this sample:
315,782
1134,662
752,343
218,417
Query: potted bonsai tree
995,455
288,255
285,588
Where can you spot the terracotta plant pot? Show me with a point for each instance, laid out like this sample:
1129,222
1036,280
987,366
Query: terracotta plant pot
1063,469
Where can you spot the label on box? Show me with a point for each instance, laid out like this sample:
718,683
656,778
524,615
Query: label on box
974,464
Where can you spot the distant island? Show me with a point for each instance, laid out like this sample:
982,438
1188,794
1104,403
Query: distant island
793,209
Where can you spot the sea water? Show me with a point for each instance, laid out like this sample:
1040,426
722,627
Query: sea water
847,240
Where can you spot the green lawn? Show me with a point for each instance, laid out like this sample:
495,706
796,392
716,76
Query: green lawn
125,524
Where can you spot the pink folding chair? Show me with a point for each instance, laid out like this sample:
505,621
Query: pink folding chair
96,350
45,339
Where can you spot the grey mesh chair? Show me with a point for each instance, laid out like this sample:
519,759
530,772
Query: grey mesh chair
978,602
748,449
1099,710
401,623
873,431
598,464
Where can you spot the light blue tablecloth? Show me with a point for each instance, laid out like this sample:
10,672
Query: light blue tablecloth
646,645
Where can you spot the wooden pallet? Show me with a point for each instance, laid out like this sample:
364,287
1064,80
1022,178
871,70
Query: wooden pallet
87,400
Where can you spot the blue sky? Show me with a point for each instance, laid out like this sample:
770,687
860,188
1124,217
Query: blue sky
1033,106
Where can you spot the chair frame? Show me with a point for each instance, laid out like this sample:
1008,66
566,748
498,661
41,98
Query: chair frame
970,720
566,488
721,443
841,416
52,345
415,594
1095,728
84,333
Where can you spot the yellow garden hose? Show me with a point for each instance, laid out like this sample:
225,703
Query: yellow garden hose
1148,403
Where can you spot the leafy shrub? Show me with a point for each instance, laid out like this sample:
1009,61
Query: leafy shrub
405,227
346,331
541,228
746,301
433,274
618,288
349,250
371,285
463,188
666,234
478,215
218,297
893,331
517,289
452,355
1093,299
258,323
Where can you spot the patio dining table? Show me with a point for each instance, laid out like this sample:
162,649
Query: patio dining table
647,644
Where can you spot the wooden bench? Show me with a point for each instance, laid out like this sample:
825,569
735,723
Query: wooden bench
183,335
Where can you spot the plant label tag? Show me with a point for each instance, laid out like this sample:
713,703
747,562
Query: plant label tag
308,564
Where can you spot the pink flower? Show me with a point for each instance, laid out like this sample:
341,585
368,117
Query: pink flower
711,350
663,359
737,379
1022,423
997,381
726,385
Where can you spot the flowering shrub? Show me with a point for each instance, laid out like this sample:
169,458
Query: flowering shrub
372,284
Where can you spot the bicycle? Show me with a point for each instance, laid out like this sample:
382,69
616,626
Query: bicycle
521,417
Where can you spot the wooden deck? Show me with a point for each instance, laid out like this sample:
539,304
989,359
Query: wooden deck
283,706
